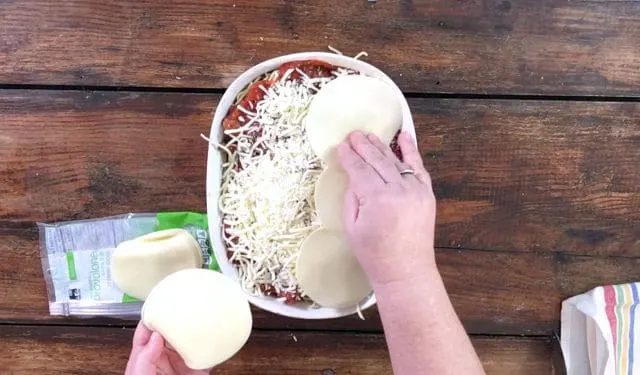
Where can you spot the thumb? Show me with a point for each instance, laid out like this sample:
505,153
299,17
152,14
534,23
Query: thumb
148,357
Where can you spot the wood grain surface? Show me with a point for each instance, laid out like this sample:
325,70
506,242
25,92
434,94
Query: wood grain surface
542,176
493,292
551,47
86,350
537,200
534,175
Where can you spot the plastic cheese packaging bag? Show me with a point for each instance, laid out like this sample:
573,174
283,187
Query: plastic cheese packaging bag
76,259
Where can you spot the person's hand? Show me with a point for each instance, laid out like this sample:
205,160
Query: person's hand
149,356
389,218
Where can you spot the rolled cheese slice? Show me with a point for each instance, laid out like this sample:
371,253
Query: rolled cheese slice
138,265
350,103
329,273
201,314
329,196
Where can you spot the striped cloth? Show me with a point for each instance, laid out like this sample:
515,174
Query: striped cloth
599,331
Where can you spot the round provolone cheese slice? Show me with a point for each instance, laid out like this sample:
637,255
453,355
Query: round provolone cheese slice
350,103
138,265
329,273
201,314
329,196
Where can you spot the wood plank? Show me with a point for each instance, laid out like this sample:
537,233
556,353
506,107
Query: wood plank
71,155
530,181
84,350
509,175
493,292
496,46
534,175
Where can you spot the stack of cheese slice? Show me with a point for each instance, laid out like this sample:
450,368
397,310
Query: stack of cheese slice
327,269
139,264
200,313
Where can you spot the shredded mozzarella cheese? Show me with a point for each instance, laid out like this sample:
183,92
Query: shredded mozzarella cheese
267,203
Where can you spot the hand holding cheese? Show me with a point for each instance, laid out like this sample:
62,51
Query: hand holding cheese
150,356
327,270
202,314
389,223
139,264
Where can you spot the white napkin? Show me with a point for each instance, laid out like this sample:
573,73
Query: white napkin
600,331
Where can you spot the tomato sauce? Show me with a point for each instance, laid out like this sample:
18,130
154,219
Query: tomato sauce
290,298
395,147
254,94
312,68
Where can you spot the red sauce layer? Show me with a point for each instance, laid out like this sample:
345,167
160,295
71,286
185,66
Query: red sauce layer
311,68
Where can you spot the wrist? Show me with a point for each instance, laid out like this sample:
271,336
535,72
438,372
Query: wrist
403,273
427,286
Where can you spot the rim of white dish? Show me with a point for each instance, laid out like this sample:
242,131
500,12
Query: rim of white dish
214,171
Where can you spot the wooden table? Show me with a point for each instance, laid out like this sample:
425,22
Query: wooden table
527,115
